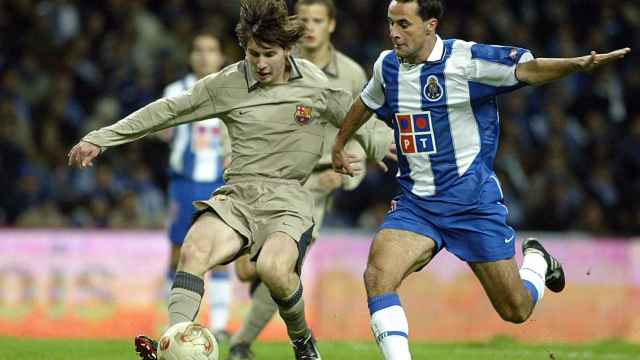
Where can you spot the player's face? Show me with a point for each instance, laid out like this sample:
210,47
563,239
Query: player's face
319,26
409,33
268,62
206,56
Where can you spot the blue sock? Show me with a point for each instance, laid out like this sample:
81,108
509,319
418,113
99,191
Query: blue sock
171,275
220,275
383,301
532,290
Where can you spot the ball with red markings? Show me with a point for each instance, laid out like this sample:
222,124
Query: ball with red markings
187,340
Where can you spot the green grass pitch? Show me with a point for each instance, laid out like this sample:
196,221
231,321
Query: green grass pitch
29,349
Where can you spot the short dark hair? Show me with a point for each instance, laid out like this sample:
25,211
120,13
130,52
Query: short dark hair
329,4
204,32
428,9
268,22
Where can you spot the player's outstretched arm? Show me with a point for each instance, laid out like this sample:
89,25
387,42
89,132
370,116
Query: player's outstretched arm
544,70
164,113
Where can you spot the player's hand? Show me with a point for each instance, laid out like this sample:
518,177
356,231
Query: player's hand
82,154
391,155
344,163
339,162
329,180
595,60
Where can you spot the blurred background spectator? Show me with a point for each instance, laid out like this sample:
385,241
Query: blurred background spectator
569,156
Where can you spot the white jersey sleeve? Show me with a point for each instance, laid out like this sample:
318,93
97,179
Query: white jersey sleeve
495,66
373,93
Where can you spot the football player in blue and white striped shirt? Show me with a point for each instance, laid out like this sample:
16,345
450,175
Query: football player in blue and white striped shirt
196,167
440,98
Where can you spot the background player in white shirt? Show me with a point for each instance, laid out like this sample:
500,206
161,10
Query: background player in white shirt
196,166
440,98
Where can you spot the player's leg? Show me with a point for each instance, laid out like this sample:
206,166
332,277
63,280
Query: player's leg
515,292
513,297
209,243
262,309
262,305
219,279
277,266
245,269
200,252
407,241
482,237
394,255
219,291
181,213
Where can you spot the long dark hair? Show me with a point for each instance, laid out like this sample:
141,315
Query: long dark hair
268,22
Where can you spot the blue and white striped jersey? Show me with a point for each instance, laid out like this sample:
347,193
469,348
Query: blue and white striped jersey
197,151
445,116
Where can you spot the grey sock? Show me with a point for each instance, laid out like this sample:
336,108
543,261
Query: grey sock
185,297
262,309
292,312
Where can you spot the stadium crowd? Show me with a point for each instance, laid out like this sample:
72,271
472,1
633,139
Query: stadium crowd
569,155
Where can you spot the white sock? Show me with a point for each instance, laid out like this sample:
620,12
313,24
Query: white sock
532,273
219,295
390,327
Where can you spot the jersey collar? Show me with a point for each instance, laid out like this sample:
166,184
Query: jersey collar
252,82
332,67
438,51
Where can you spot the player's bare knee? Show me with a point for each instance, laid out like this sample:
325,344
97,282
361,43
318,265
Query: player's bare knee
246,270
516,310
192,259
245,276
378,281
516,316
272,268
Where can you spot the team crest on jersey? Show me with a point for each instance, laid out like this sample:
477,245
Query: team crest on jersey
416,133
303,114
433,90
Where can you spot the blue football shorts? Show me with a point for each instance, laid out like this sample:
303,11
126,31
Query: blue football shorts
182,193
477,233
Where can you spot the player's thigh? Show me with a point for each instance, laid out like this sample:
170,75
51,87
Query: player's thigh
209,242
394,255
502,283
245,268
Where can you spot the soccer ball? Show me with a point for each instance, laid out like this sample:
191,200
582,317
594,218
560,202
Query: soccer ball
187,341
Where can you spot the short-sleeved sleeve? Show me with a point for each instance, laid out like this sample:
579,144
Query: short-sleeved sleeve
373,93
494,67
